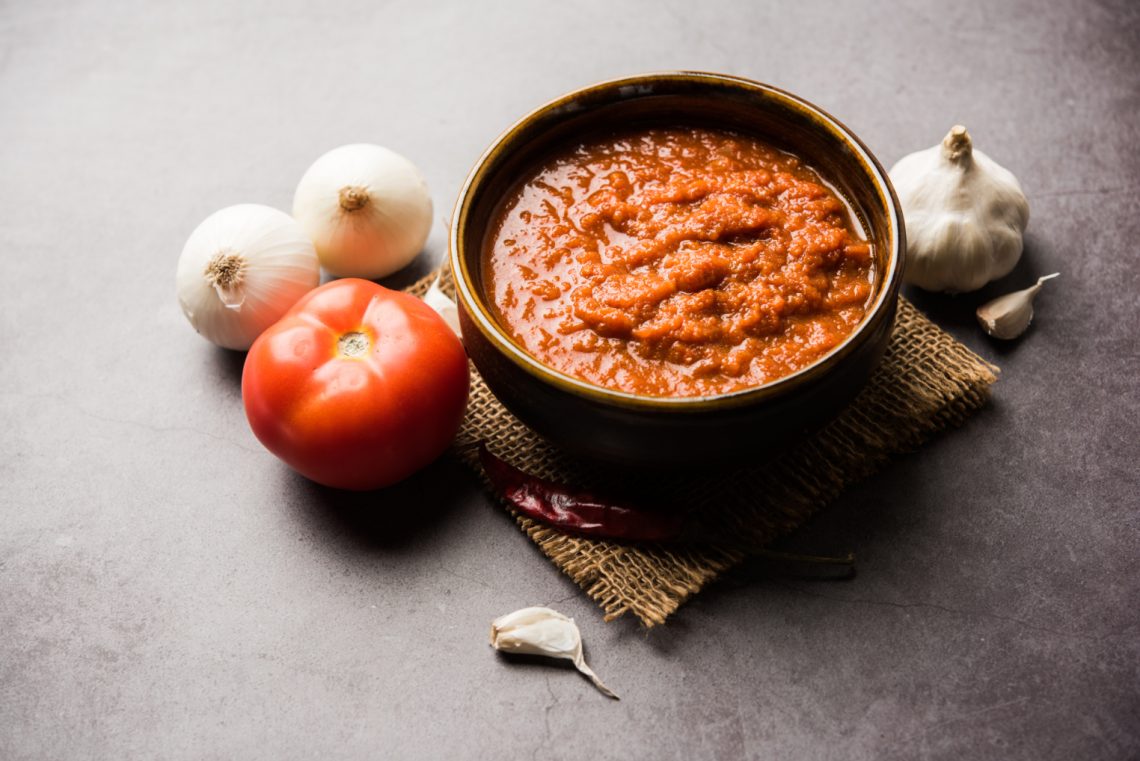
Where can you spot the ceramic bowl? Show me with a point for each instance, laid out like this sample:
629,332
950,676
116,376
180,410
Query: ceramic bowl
601,423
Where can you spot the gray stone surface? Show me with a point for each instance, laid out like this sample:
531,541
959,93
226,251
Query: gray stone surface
169,590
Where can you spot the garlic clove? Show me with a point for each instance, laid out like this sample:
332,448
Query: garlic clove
1008,316
444,306
545,632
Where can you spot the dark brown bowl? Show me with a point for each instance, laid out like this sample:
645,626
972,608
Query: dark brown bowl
610,425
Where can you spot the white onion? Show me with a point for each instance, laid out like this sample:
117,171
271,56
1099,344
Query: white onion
241,270
366,208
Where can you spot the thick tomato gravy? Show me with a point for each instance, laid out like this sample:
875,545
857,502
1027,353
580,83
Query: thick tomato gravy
677,262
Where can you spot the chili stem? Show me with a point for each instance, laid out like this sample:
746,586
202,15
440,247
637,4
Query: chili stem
848,559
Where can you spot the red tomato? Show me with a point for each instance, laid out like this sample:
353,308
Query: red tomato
357,386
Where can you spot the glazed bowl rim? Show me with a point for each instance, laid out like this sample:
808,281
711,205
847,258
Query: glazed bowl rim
879,310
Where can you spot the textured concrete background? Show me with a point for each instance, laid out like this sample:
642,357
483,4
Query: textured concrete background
169,590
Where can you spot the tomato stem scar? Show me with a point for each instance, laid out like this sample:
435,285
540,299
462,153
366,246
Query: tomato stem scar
353,344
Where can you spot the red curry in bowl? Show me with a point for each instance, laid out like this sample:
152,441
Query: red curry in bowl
677,262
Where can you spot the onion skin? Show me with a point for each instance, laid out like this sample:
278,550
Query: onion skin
241,269
366,208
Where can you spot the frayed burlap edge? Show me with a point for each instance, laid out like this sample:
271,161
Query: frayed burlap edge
927,382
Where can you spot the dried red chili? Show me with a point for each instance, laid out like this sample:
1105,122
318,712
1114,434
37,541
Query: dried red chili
578,512
587,514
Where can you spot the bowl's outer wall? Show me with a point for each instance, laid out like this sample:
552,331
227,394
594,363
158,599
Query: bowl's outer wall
645,434
675,437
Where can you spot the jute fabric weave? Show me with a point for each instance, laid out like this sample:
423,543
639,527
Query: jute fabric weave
926,383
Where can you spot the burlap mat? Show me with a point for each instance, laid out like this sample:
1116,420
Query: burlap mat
926,382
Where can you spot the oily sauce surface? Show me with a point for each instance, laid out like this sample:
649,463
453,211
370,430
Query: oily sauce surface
677,262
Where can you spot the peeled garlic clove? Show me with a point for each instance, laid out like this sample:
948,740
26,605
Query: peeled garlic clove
1008,316
546,632
443,305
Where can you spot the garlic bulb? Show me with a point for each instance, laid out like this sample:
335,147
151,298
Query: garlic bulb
542,631
241,269
965,215
1008,316
366,208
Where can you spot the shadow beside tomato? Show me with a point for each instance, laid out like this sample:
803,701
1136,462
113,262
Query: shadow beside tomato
227,365
399,516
